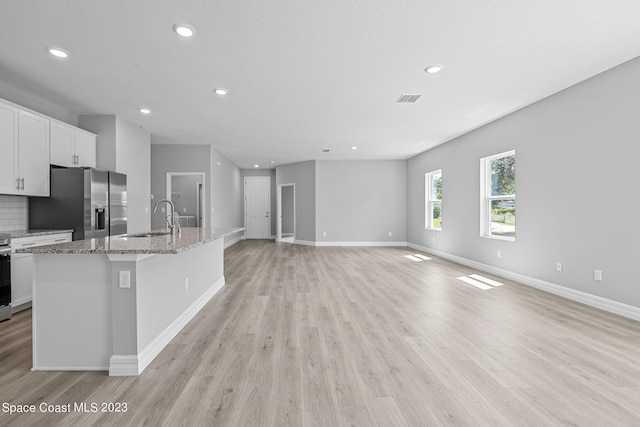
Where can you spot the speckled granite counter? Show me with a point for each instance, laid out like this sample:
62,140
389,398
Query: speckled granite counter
17,234
189,238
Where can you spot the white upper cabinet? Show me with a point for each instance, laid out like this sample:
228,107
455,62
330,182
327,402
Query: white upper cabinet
33,154
29,142
71,146
61,139
24,144
85,148
9,181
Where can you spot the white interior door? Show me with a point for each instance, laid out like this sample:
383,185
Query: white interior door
257,203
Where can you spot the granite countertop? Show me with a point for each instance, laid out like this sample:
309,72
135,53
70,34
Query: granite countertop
17,234
190,238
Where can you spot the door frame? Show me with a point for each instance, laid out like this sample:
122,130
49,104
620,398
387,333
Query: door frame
279,212
268,179
203,203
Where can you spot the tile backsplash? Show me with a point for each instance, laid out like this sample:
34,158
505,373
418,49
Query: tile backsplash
13,213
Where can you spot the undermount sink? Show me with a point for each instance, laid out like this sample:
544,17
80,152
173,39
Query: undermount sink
148,234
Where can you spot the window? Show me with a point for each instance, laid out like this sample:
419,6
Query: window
433,197
498,181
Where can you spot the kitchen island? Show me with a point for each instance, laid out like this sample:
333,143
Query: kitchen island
114,303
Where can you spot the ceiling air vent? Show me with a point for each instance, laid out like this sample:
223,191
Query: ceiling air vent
407,99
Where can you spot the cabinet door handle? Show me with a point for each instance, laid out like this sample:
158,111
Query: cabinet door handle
22,181
17,183
28,244
60,240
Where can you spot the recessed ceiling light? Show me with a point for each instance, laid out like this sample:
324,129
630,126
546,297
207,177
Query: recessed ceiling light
432,69
353,147
184,30
58,52
220,91
256,166
145,111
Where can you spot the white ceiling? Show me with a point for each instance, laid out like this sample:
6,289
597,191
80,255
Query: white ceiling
305,75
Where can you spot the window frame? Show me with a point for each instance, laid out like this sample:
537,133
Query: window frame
486,198
430,200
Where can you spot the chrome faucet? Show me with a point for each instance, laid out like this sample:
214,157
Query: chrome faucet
174,225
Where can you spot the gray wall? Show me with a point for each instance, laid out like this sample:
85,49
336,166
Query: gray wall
105,127
11,90
177,158
184,194
226,193
302,174
223,182
575,176
361,200
133,158
271,173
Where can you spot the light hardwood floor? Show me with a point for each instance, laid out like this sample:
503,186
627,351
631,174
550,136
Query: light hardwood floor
304,336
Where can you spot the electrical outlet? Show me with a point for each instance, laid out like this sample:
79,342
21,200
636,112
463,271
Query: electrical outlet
324,233
558,266
597,275
499,254
390,234
186,284
124,279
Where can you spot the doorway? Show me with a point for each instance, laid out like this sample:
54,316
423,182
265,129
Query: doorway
187,192
257,203
286,219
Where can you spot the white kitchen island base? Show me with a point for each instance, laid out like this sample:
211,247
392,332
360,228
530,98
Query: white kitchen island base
86,318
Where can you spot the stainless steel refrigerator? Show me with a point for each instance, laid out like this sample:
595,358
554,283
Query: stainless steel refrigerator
90,201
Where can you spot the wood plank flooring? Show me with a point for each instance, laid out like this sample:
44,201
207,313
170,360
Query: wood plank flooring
304,336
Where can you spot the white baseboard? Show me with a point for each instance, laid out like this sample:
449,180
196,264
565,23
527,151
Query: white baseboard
21,301
378,244
19,306
304,242
124,365
233,241
127,365
319,244
69,369
595,301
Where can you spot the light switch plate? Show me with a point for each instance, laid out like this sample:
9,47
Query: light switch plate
124,277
